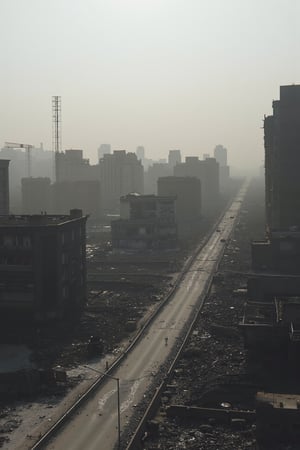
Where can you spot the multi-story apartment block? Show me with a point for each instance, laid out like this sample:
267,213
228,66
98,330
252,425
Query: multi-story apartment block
4,187
187,191
208,173
42,264
146,222
174,158
120,173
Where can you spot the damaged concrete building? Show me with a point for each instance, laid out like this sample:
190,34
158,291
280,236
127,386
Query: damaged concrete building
147,222
42,264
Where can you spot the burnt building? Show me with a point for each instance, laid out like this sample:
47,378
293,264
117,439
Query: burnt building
154,172
4,187
42,264
187,191
147,222
120,174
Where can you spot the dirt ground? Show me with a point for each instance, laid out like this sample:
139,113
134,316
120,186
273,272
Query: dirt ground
118,286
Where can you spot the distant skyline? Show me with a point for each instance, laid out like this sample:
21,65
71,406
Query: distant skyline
165,74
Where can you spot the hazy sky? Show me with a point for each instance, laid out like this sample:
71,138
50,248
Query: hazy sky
165,74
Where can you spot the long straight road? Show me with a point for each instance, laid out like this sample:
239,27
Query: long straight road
95,426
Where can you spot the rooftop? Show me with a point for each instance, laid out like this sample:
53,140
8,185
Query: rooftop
39,219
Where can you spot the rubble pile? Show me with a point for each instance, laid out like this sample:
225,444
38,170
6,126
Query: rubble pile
212,372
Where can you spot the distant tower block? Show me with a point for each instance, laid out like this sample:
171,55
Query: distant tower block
174,157
4,189
56,130
140,153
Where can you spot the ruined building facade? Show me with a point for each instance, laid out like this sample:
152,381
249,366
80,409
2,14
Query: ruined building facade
42,264
147,222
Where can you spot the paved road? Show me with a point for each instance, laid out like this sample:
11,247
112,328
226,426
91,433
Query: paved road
95,425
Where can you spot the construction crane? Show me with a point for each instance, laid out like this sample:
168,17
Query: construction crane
27,147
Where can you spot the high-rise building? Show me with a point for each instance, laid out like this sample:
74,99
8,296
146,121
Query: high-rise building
36,195
208,173
84,195
4,187
71,166
154,172
104,149
282,160
42,264
140,153
187,191
120,173
280,252
220,154
147,222
174,158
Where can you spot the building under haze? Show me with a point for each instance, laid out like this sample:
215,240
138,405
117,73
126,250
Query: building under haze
120,173
4,187
71,166
147,222
281,250
208,173
36,195
104,149
42,265
220,154
187,193
83,194
174,158
282,160
41,165
140,153
154,172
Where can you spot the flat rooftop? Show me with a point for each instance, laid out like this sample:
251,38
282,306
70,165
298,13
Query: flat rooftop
41,220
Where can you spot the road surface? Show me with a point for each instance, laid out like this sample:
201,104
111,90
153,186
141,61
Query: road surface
95,425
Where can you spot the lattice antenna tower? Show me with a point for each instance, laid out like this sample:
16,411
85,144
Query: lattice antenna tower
56,130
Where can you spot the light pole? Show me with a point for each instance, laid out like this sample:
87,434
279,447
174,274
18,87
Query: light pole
118,396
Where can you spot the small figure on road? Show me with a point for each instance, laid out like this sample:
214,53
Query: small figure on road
166,340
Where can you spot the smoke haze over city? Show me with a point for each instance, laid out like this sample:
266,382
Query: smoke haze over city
162,74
